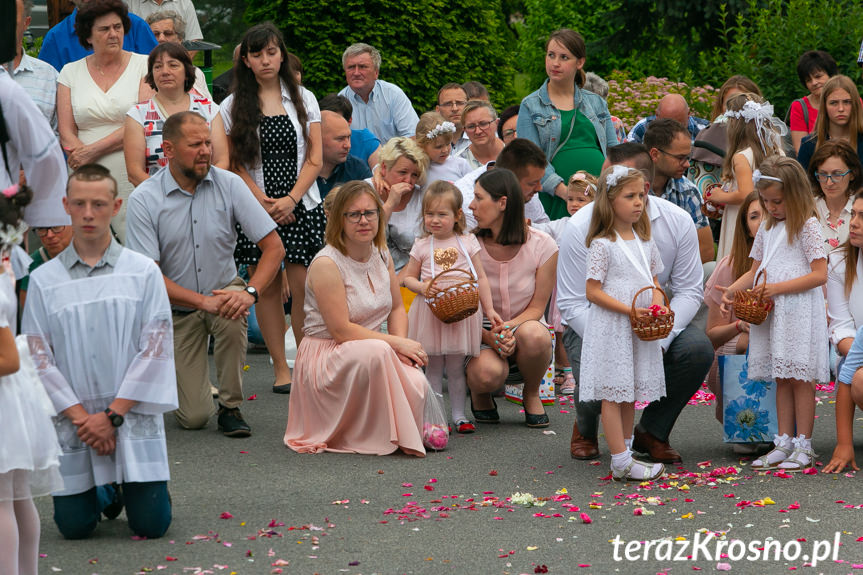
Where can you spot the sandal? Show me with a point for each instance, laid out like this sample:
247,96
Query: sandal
801,458
568,385
775,456
646,471
558,378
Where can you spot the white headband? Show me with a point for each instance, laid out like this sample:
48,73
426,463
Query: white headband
440,129
757,176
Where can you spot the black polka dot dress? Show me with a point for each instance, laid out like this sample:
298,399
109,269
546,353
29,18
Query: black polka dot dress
305,236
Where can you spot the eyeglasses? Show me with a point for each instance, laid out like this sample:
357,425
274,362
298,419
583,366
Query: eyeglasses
369,215
453,104
508,133
42,232
835,177
481,125
681,158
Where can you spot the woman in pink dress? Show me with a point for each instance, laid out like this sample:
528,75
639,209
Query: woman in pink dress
521,266
356,390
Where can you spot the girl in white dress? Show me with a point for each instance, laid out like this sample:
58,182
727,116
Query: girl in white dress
616,366
29,451
434,135
790,346
751,138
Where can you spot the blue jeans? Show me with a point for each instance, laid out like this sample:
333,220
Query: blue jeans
148,509
686,363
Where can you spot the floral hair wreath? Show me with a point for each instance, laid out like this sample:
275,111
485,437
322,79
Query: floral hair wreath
767,126
757,176
440,130
617,172
580,177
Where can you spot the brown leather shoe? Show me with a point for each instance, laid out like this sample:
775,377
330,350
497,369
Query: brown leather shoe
581,447
659,451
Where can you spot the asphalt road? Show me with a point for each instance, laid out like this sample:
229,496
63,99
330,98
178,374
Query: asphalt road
252,506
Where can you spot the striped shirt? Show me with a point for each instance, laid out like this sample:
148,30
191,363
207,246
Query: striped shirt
39,80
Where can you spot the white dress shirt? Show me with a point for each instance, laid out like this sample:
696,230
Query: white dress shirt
844,312
533,209
674,233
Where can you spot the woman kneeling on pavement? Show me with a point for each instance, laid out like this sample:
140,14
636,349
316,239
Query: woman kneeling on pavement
356,390
521,266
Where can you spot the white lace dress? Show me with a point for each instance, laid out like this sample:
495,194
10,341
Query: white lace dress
615,364
792,341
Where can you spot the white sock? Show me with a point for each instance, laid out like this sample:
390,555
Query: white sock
456,386
775,456
622,459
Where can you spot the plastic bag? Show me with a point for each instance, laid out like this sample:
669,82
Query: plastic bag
435,430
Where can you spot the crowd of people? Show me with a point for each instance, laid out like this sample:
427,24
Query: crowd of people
352,212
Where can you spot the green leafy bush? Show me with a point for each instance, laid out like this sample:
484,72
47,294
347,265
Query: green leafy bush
424,43
631,100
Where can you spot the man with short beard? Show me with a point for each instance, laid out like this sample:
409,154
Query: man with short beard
185,217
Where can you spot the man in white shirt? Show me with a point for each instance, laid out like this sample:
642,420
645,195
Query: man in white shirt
687,352
527,161
379,106
184,8
98,324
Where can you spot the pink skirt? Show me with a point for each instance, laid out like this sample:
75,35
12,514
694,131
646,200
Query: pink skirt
354,397
439,338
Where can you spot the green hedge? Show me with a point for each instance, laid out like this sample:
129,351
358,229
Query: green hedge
424,43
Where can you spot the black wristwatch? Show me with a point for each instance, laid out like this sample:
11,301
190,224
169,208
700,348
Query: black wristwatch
253,292
116,419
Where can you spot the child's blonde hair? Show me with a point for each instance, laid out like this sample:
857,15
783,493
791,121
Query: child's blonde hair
602,219
749,128
796,193
584,183
329,200
443,191
433,126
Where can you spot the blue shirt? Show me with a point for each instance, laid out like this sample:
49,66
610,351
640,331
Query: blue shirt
854,359
352,169
636,134
684,194
363,144
387,114
61,44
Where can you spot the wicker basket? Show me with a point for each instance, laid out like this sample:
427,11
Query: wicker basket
654,327
453,295
709,208
750,305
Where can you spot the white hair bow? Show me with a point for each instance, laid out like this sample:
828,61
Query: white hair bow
617,172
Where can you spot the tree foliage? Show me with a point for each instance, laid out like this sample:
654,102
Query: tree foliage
424,43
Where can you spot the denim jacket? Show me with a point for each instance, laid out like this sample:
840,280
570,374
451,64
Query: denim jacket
539,122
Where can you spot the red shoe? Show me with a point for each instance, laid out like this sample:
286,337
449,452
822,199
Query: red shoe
465,427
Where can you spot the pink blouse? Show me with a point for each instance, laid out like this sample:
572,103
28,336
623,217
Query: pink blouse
513,282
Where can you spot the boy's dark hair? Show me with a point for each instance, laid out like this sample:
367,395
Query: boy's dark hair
338,104
661,132
518,155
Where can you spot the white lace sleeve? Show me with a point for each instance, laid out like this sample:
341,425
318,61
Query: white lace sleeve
656,265
597,259
812,241
757,252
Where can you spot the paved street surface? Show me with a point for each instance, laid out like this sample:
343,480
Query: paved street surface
252,506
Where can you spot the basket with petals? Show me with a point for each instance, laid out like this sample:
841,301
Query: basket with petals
709,208
453,295
656,326
750,305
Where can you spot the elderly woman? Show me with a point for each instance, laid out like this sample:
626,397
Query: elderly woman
357,390
170,72
571,125
521,265
94,94
480,121
845,314
403,166
169,26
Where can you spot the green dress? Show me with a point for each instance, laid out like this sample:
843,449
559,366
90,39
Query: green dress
580,152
